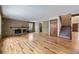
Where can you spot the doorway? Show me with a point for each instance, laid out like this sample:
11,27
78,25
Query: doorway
53,27
40,27
31,27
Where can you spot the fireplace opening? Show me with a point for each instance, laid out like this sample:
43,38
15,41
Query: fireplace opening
17,31
24,30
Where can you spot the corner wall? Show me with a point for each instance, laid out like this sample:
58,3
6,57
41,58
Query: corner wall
0,25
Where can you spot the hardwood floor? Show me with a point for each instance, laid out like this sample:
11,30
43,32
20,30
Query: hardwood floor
34,43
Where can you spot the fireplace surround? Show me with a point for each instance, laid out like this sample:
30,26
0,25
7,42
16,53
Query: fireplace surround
19,30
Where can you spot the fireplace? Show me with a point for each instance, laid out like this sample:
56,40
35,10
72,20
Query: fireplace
17,31
24,30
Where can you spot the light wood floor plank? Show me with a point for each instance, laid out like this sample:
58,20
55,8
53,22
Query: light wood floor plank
35,43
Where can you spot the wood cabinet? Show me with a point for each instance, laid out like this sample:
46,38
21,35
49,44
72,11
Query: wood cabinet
75,27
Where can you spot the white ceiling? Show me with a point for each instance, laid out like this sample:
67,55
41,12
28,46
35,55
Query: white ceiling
37,12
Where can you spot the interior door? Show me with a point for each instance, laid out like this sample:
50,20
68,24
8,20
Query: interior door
53,27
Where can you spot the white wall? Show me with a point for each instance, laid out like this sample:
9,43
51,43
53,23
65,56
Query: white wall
37,30
45,27
59,26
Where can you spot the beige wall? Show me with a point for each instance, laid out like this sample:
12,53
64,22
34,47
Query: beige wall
66,20
75,19
7,23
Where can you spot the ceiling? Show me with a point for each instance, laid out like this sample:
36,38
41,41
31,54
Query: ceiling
37,12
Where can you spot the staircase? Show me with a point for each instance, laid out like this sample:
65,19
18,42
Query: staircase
65,32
